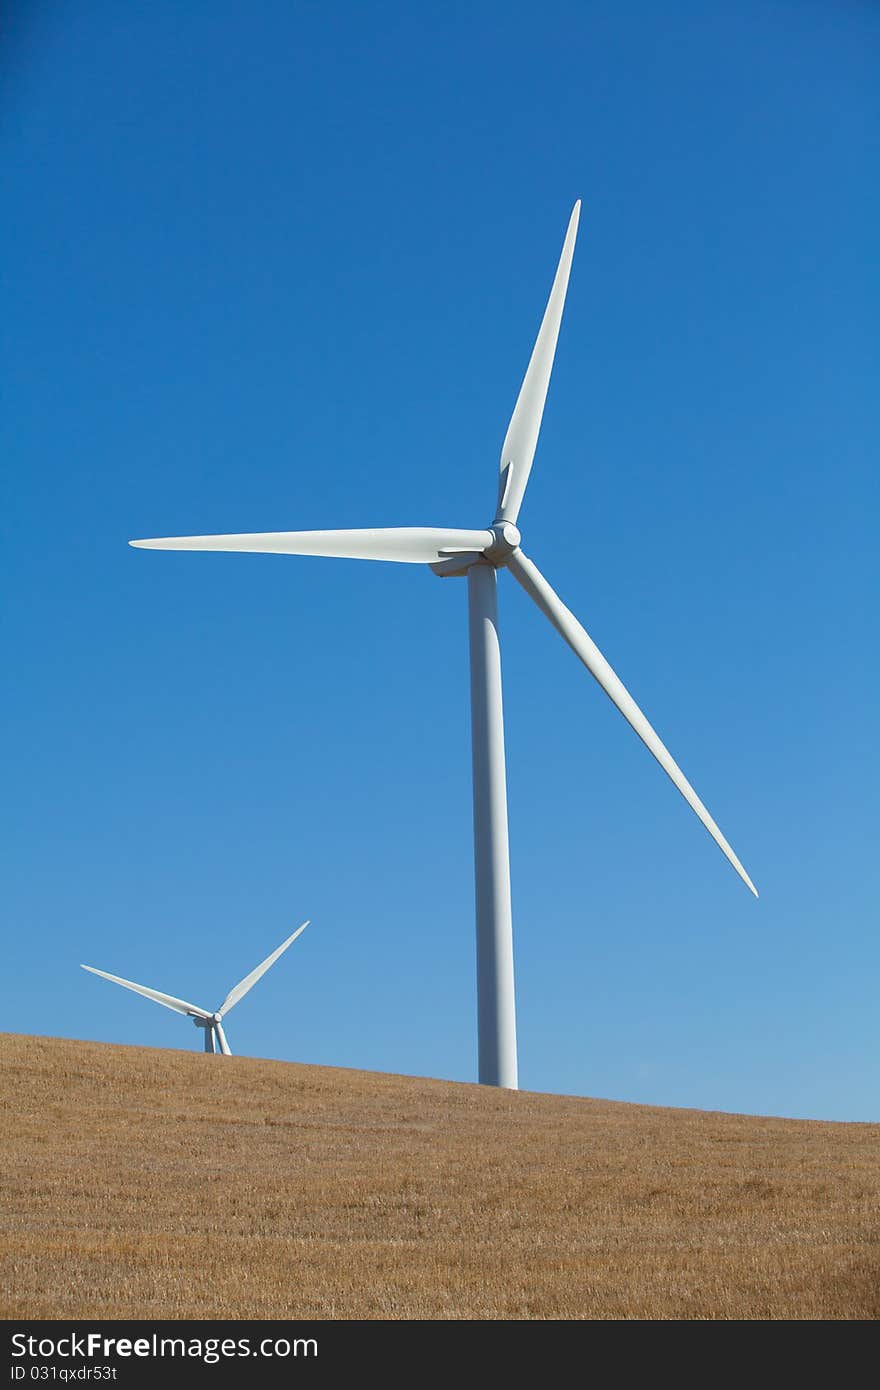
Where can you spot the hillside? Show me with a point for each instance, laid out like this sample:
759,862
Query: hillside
146,1183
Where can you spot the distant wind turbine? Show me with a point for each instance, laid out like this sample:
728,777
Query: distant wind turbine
479,555
211,1022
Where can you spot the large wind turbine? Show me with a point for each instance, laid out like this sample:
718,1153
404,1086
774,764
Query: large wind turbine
480,555
210,1020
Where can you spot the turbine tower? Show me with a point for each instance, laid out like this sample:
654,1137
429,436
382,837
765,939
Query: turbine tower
479,555
210,1020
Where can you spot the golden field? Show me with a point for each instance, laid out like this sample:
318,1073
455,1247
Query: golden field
144,1184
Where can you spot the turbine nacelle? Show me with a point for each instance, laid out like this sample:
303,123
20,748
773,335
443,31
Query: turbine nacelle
503,541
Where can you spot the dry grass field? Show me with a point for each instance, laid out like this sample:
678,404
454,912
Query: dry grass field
141,1183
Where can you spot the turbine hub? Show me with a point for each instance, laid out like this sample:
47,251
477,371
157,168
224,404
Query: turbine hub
507,538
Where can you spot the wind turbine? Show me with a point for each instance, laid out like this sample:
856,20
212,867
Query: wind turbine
211,1022
480,555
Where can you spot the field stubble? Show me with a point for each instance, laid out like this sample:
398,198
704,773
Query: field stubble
154,1184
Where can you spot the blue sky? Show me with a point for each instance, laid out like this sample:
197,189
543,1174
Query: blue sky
280,266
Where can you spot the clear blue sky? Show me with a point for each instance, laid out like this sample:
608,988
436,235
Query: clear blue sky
279,266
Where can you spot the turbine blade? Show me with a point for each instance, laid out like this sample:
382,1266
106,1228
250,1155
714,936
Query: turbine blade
180,1006
521,439
414,545
567,625
221,1038
240,990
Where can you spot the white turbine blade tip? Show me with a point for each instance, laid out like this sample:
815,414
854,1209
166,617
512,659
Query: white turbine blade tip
158,543
720,841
